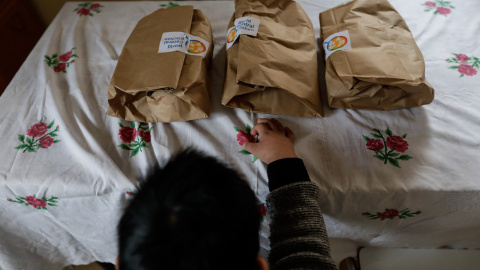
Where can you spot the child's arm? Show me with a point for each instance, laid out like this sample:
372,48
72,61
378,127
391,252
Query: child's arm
298,237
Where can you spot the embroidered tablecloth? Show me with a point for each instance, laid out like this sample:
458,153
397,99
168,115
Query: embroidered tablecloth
402,178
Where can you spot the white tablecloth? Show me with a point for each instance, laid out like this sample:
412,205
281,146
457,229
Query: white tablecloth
64,183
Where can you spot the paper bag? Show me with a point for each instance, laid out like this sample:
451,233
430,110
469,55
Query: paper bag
372,59
148,86
275,71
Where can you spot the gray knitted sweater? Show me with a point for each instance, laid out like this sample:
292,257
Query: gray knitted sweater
298,238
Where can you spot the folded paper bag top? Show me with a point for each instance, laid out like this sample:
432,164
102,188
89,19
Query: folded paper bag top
152,86
275,71
372,60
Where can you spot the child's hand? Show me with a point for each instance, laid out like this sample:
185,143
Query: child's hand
274,141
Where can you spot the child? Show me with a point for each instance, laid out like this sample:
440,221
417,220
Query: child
196,213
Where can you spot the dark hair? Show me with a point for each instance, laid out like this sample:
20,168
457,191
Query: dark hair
195,213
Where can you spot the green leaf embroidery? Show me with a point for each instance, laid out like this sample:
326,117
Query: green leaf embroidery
29,141
120,124
248,128
254,159
404,135
53,134
404,157
366,138
388,131
244,152
134,151
376,136
236,128
55,55
394,162
453,67
393,154
51,124
380,157
56,141
124,146
21,146
21,138
133,125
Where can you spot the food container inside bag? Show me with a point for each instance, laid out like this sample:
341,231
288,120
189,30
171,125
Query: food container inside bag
161,79
372,60
274,71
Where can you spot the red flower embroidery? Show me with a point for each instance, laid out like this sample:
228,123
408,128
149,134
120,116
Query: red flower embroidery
46,142
375,144
66,56
37,130
397,143
462,58
61,67
467,70
36,202
262,209
83,11
439,7
429,4
145,135
31,200
443,10
95,6
391,214
128,134
243,137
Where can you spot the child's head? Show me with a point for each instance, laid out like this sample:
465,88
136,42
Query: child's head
195,213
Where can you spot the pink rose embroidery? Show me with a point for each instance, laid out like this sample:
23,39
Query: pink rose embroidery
36,202
374,144
88,8
62,62
397,143
467,70
46,142
245,136
379,144
443,11
83,11
61,67
128,134
466,65
132,142
38,130
462,58
95,6
391,214
429,4
438,7
66,56
145,135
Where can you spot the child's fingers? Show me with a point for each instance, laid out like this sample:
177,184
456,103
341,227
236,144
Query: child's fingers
250,147
259,129
277,125
290,134
267,122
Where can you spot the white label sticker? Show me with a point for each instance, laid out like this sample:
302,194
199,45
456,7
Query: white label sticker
183,42
243,26
337,42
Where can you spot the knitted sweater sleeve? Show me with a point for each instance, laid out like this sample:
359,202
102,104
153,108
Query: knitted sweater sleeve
298,238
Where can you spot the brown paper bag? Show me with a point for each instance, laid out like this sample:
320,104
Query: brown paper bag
384,69
148,86
276,71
